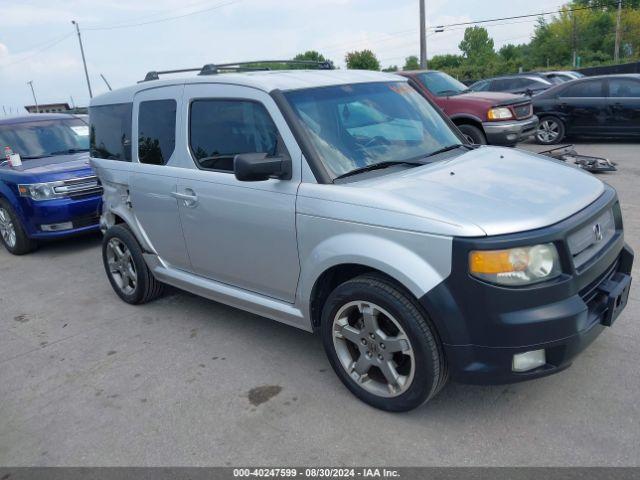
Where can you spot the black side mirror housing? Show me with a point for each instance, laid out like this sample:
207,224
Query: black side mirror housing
257,167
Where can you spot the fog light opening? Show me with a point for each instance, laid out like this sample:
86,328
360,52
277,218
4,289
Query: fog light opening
523,362
56,227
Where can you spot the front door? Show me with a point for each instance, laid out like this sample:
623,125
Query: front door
153,180
584,107
624,105
239,233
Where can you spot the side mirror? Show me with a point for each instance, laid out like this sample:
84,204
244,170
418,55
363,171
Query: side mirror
257,167
528,92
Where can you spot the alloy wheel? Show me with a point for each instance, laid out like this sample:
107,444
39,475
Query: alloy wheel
121,266
7,228
548,131
373,348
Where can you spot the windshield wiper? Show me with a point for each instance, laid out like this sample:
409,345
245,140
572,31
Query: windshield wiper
446,149
378,166
69,151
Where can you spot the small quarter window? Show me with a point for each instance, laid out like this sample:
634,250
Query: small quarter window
110,131
156,131
221,129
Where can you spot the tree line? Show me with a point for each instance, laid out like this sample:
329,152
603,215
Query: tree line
573,38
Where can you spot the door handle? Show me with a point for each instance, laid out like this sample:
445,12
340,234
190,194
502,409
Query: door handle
189,199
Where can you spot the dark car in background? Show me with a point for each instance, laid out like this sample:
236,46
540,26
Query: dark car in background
521,84
54,193
604,106
486,117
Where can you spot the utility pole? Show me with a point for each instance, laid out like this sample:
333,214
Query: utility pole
574,39
616,52
423,35
86,72
30,83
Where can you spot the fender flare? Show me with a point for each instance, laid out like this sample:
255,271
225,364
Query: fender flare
406,266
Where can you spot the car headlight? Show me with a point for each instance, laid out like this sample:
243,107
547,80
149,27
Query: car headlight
499,113
516,266
41,191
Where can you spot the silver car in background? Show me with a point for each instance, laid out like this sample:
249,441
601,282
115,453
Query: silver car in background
344,202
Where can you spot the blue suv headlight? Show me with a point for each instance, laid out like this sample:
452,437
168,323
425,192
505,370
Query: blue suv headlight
41,191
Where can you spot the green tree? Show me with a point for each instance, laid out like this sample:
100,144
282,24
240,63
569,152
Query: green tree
445,62
411,63
310,55
477,45
362,60
390,68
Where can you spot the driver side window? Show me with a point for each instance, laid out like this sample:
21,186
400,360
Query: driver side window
221,129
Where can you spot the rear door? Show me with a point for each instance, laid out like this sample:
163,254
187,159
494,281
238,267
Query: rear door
624,105
153,178
239,233
584,107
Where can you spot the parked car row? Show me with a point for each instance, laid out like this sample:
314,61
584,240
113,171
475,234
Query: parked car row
568,103
345,203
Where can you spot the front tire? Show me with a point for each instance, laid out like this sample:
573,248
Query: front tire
126,269
12,233
473,134
381,345
551,130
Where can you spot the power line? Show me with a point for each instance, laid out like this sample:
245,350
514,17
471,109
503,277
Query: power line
576,9
49,45
166,19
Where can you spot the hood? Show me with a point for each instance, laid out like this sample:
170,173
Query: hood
499,190
490,98
54,168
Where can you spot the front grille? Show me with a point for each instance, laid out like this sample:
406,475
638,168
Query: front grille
80,187
523,111
590,239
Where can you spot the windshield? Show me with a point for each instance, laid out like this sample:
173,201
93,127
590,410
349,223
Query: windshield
441,84
354,126
41,138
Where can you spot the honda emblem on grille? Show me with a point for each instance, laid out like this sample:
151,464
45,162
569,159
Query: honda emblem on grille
597,231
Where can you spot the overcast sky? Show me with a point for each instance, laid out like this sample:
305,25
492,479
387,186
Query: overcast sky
37,40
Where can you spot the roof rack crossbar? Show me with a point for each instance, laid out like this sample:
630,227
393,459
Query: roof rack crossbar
255,65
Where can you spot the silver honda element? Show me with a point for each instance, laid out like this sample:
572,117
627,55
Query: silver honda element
344,202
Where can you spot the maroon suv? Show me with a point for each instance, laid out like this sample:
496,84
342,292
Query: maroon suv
483,117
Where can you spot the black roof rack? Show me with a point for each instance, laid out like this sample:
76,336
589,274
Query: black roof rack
256,65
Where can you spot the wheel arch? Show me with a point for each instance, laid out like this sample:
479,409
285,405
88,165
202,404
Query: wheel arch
330,264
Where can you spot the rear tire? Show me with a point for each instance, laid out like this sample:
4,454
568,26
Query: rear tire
126,269
551,130
473,134
381,345
12,233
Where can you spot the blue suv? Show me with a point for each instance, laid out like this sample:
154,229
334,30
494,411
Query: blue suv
54,193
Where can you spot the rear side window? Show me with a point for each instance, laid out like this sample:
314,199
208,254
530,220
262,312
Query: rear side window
584,90
110,131
221,129
624,88
156,131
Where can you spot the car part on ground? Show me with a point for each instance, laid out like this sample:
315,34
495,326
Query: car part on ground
567,153
316,199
